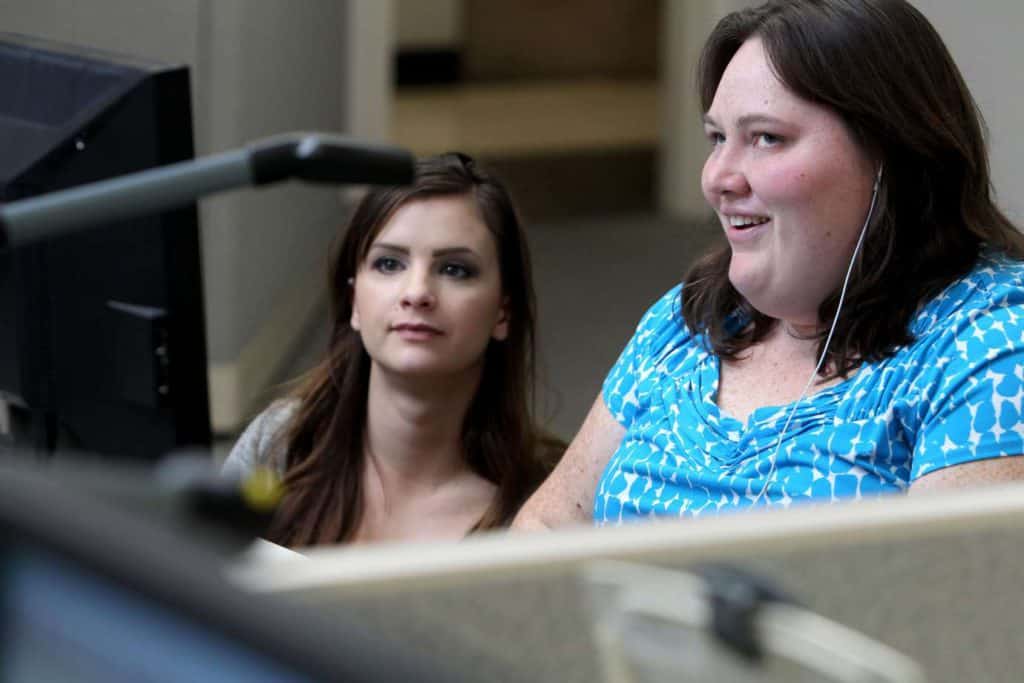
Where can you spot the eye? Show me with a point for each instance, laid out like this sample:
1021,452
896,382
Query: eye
386,264
715,138
766,140
459,271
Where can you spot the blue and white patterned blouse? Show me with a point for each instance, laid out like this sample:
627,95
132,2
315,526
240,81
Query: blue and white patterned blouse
952,396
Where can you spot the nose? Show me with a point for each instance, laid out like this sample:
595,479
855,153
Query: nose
723,176
418,291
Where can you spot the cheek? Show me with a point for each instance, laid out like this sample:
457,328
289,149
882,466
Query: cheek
354,317
480,313
824,178
365,305
705,183
784,185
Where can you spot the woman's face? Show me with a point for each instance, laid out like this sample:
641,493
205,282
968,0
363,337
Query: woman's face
428,296
790,187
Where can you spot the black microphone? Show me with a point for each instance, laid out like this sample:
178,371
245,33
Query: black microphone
320,158
313,157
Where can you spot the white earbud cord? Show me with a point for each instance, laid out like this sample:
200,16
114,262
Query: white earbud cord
828,340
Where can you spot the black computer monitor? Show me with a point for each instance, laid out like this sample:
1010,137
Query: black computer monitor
102,338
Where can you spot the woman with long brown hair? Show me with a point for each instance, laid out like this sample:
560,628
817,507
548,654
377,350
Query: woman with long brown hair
417,424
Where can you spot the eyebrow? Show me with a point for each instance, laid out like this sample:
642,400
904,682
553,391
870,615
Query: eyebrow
746,120
445,251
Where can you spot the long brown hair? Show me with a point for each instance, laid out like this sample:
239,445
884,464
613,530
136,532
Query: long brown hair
884,70
324,458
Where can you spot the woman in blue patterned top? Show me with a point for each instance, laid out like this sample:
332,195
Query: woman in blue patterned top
862,332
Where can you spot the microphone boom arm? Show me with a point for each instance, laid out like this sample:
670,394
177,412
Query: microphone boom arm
313,157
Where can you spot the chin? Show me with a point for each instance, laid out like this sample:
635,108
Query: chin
426,369
759,296
748,284
418,369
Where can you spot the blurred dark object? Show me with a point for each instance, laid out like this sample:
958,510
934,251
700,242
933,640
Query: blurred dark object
240,508
735,596
428,66
90,590
184,492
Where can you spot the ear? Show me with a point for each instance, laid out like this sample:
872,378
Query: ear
500,331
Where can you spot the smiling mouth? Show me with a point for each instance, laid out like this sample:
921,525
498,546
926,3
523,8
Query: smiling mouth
745,222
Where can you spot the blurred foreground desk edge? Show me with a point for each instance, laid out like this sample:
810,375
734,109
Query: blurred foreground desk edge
938,578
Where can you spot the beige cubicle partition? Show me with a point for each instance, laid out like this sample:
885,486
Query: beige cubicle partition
939,578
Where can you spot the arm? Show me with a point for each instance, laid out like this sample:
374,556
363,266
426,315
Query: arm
567,495
971,474
971,433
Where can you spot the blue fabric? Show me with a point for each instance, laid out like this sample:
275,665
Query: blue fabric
952,396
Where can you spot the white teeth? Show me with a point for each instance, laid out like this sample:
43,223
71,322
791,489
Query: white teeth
746,221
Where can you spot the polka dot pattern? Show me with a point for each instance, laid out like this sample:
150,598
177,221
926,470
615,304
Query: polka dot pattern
952,396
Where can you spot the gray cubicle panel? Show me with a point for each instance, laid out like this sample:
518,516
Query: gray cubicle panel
939,578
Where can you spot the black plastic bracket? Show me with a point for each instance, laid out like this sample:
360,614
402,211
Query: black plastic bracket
736,597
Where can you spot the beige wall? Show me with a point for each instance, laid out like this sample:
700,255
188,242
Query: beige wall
983,38
522,39
429,23
685,25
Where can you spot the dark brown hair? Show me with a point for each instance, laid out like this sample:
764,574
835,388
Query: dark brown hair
324,458
883,69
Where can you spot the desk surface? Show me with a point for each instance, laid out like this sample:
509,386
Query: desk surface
937,577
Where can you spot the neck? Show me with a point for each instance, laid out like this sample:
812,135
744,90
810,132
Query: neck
797,342
414,427
800,331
